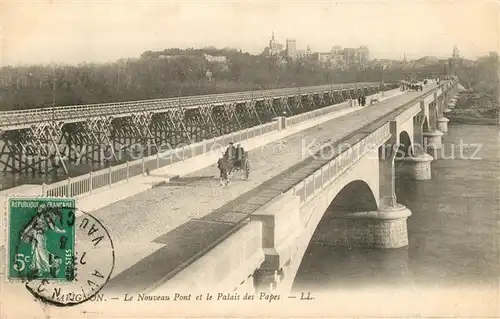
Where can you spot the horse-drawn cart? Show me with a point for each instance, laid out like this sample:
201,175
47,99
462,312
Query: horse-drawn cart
228,166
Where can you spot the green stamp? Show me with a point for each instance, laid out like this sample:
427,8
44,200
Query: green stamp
41,238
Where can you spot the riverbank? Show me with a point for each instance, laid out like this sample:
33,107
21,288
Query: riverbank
463,119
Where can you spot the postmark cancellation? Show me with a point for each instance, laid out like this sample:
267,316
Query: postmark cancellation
63,256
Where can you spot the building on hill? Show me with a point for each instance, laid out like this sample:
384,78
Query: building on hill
215,59
337,49
291,49
337,58
358,56
274,47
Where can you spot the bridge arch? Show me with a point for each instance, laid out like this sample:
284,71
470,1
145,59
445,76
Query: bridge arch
405,146
353,193
326,226
425,126
355,197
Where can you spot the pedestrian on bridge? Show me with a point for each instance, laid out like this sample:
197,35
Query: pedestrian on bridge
231,151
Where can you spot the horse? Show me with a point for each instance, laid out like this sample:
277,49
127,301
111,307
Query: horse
223,166
227,166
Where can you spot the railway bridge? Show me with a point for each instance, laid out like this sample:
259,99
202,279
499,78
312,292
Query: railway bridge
48,140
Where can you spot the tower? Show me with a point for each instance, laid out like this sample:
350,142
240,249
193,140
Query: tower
455,58
456,54
291,48
274,47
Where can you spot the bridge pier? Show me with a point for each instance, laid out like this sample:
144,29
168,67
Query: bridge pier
355,220
433,140
416,167
442,124
381,229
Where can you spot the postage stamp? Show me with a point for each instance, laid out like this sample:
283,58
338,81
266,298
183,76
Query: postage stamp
41,239
93,264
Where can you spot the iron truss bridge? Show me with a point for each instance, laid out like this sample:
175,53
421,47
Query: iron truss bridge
34,140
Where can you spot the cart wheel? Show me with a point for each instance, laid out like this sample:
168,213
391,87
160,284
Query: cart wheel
247,169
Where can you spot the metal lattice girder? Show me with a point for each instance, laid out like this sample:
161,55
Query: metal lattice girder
176,121
310,101
165,131
198,125
285,106
269,107
221,119
359,92
336,97
136,126
279,108
252,112
20,154
262,111
45,135
327,98
233,121
11,120
246,116
352,93
20,142
345,95
141,122
94,131
296,106
321,99
210,123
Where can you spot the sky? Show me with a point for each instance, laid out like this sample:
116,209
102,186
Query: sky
101,31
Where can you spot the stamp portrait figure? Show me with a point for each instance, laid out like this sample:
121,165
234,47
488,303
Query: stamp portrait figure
35,233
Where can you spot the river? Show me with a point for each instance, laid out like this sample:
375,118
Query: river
453,230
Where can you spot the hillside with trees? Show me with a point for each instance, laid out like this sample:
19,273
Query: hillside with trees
481,100
172,73
167,73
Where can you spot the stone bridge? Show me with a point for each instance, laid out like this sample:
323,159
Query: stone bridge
341,195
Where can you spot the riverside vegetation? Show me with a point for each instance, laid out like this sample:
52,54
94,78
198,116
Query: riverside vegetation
177,72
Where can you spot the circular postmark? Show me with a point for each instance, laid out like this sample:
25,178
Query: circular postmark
65,256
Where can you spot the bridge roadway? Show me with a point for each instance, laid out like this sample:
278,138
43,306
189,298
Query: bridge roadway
159,231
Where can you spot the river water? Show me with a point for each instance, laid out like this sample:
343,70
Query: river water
453,230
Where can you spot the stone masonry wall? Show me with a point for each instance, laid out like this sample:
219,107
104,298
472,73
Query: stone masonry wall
362,233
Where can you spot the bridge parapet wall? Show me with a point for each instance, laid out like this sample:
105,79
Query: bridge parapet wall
230,264
309,187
